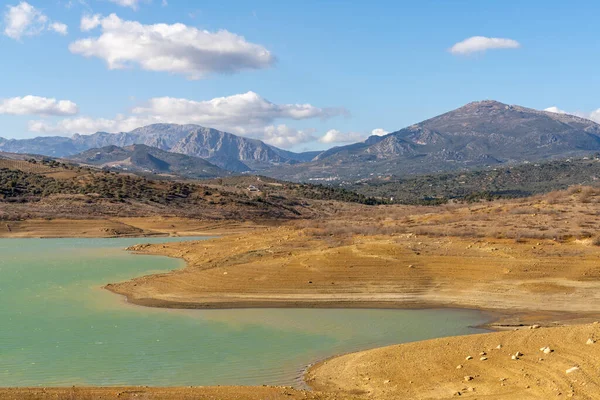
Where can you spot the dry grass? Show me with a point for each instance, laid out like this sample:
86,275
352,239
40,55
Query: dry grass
559,216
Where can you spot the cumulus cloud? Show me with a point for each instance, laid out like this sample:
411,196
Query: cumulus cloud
335,136
176,48
284,136
379,132
239,113
35,105
89,22
246,114
478,44
59,28
24,19
127,3
593,116
555,110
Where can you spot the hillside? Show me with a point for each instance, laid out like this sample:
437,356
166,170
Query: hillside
140,158
46,188
228,151
485,184
476,135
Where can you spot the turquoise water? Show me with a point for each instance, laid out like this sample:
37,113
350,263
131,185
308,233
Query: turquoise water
58,327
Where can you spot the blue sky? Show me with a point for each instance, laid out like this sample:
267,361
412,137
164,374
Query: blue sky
300,75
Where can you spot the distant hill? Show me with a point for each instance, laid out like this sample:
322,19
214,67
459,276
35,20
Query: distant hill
478,134
486,184
140,158
228,151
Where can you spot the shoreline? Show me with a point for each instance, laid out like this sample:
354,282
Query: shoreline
504,321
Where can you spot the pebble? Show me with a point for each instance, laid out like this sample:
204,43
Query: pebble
468,378
469,358
483,358
571,370
590,341
499,346
459,366
483,353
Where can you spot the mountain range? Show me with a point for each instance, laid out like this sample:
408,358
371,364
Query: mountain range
478,134
140,158
228,151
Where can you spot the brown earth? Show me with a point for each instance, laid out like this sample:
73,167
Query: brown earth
122,227
174,393
531,261
439,369
285,266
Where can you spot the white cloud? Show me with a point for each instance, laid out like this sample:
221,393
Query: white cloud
59,27
335,136
239,113
284,136
379,132
176,48
26,20
87,125
477,44
35,105
593,116
23,20
246,114
127,3
89,22
555,110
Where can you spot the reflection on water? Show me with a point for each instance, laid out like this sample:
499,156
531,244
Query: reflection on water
57,327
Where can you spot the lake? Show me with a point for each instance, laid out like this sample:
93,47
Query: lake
59,327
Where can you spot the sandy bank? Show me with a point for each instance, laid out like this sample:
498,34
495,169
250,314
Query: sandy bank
121,227
439,369
174,393
284,267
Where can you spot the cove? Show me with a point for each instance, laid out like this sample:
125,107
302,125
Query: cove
59,328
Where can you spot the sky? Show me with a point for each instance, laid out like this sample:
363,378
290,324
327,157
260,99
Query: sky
298,75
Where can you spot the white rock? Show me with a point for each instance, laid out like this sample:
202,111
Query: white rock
572,369
548,350
483,358
468,378
590,341
499,346
469,358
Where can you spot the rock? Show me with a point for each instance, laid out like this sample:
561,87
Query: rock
590,341
483,353
459,366
483,358
386,381
572,369
499,346
534,327
468,378
411,266
518,354
548,350
469,358
514,357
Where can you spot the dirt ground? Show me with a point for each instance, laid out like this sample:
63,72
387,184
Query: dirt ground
439,369
532,261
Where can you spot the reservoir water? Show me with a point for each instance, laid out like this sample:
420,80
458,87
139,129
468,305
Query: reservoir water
59,327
